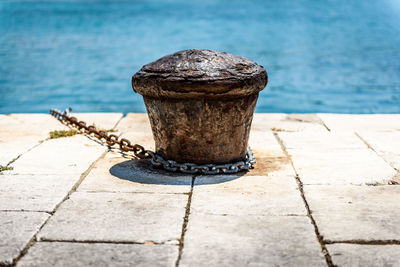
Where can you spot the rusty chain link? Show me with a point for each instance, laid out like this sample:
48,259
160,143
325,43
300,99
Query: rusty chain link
140,152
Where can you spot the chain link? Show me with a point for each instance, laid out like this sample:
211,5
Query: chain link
140,152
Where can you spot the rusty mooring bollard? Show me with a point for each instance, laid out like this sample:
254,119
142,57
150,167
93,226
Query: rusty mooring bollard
200,104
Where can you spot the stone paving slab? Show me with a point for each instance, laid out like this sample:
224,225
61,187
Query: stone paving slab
247,195
335,159
386,145
21,132
104,121
68,155
79,254
136,128
135,123
34,192
351,167
264,145
215,240
316,141
16,231
287,122
118,217
365,255
116,174
355,212
362,122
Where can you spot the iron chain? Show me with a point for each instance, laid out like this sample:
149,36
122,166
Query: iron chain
140,152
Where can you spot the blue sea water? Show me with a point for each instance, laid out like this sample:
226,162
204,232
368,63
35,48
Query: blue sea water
321,56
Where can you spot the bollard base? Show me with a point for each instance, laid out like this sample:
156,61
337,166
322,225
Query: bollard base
201,131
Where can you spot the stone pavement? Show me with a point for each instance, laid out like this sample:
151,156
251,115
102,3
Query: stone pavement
325,191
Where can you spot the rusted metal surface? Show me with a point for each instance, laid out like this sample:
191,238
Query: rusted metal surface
200,104
200,73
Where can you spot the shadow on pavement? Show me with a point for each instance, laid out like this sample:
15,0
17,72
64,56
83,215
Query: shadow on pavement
142,171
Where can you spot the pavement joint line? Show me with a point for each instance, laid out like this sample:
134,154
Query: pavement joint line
254,215
364,242
185,222
39,211
370,147
123,242
323,123
138,192
324,249
33,240
115,125
29,149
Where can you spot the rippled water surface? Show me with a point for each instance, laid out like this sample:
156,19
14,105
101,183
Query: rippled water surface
321,56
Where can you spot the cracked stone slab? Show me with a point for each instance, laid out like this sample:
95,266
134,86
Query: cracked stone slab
287,122
386,144
34,192
214,240
362,122
86,254
247,195
66,155
364,255
102,120
16,231
264,144
116,174
355,212
271,166
133,217
321,141
21,132
135,123
136,128
342,167
335,158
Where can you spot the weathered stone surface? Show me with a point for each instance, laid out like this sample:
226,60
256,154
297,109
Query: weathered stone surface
34,192
215,240
104,121
136,128
78,254
355,212
67,155
247,195
321,141
386,144
117,174
335,158
200,73
342,167
271,166
118,217
362,122
280,122
264,144
16,230
21,132
136,123
364,255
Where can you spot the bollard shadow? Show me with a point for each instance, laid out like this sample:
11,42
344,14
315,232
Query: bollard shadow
142,171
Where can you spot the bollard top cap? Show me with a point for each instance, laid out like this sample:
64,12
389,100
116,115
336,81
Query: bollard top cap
197,73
